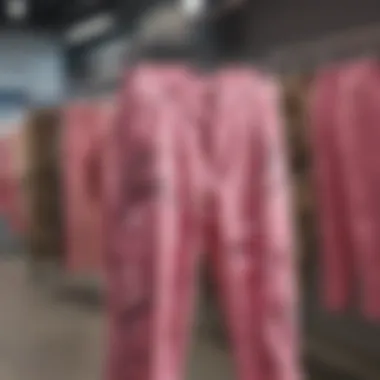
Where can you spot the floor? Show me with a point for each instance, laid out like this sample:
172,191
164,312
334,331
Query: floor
50,336
43,337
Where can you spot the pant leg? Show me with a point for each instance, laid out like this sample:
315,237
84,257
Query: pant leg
254,264
358,134
336,250
153,232
370,275
281,322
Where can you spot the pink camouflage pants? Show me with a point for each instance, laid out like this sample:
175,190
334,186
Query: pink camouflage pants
345,115
197,165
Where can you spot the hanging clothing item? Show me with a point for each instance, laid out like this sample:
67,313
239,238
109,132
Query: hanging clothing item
44,238
85,126
199,163
364,182
12,202
5,173
358,117
344,115
331,194
18,201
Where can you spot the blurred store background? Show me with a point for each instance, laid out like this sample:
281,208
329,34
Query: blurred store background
61,64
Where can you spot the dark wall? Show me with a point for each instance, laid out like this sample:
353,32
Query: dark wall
259,28
280,22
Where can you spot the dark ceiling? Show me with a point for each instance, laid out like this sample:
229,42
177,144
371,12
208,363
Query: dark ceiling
58,14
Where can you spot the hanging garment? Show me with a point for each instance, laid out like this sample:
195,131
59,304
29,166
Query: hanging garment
365,194
18,202
42,188
12,202
358,121
344,118
197,165
5,173
84,130
331,194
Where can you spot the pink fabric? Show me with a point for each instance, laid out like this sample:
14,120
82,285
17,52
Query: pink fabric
366,224
198,164
11,197
345,115
84,129
5,173
337,251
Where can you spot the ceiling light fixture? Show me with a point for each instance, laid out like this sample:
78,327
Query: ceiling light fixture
91,28
193,8
17,9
